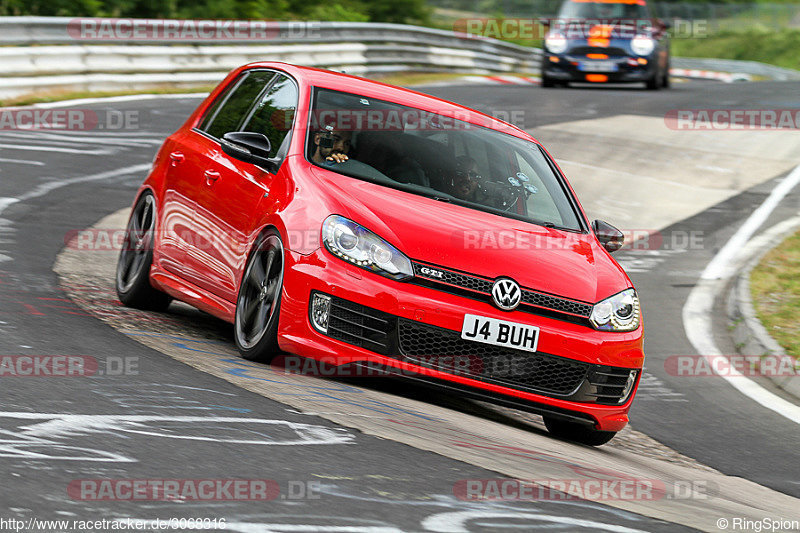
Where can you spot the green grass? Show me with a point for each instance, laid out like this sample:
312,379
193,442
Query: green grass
774,47
58,96
775,286
401,79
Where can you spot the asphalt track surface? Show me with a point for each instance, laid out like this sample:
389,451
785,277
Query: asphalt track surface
186,427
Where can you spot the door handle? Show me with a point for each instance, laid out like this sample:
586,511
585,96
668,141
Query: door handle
176,158
211,176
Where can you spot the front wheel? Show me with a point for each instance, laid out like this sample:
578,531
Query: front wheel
135,259
576,432
654,83
259,302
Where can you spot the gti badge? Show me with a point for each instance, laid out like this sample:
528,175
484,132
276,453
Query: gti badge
431,273
506,294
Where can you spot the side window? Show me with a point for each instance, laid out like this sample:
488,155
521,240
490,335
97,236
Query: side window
230,114
213,109
274,113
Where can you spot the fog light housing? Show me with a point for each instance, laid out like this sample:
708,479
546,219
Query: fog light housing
629,383
320,311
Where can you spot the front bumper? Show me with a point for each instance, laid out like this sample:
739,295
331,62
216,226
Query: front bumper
626,69
574,367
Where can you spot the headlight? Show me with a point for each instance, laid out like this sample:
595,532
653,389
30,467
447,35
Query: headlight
617,313
556,42
359,246
642,45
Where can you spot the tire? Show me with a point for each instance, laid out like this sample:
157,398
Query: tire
258,303
576,432
133,266
654,83
665,81
548,83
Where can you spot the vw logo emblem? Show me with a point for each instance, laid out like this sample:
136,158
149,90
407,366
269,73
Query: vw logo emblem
506,294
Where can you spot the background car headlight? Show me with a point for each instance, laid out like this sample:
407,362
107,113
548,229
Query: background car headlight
642,45
556,42
617,313
357,245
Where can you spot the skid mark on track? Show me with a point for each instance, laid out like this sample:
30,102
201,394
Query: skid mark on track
440,513
47,436
157,397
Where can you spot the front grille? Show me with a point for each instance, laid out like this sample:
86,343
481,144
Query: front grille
458,279
481,287
420,344
360,325
558,304
585,50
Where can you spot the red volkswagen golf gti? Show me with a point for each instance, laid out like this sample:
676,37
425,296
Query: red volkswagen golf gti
328,215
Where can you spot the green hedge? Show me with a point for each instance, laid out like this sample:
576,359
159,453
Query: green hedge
774,47
402,11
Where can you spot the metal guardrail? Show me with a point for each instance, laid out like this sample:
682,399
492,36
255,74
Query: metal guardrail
753,68
66,58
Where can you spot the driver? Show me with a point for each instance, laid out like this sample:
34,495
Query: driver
606,11
331,145
465,180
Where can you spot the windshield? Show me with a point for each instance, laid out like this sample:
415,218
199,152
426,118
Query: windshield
437,156
604,10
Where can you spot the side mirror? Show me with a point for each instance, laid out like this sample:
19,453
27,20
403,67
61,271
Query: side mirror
248,147
610,237
545,22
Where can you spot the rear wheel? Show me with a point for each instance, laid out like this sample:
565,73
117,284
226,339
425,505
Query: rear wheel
576,432
259,301
136,258
665,81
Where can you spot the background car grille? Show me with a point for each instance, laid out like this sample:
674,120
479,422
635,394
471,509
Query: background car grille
483,287
585,50
536,371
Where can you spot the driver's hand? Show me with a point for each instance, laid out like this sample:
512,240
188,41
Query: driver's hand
337,157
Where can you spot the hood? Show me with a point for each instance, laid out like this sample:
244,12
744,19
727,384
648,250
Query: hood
568,264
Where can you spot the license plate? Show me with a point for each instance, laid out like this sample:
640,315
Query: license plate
597,66
500,333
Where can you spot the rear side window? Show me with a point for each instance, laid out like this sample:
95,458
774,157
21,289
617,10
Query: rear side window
233,108
274,113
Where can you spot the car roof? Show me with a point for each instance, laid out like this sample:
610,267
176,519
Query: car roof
339,81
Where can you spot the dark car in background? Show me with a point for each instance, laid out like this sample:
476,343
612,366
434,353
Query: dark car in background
606,41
